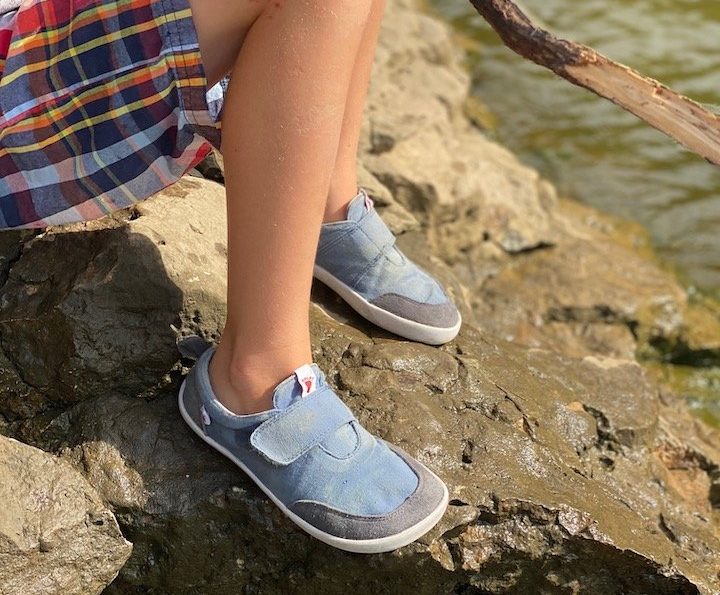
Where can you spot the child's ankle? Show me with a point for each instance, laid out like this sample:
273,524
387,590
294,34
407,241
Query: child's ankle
248,388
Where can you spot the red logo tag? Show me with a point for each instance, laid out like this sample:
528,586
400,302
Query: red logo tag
307,379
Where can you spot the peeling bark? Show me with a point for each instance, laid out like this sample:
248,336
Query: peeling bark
684,120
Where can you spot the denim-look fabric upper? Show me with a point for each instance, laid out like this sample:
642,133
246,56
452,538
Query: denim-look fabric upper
361,252
308,450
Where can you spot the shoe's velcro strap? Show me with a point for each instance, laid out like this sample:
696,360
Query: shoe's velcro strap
376,230
287,436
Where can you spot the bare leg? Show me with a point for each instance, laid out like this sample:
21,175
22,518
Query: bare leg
282,121
344,183
220,58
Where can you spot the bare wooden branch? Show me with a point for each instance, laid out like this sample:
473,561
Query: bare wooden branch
693,126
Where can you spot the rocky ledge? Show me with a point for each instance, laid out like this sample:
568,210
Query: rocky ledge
570,469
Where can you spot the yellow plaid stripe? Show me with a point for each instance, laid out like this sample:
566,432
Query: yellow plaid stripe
61,112
79,49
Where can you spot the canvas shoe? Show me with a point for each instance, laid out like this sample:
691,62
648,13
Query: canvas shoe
314,460
358,259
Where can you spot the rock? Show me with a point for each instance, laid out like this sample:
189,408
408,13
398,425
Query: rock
11,243
56,535
562,471
420,144
594,292
61,318
553,467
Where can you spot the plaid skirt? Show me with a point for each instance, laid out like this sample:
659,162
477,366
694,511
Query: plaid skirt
103,103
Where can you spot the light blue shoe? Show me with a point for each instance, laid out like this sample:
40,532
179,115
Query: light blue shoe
316,462
357,258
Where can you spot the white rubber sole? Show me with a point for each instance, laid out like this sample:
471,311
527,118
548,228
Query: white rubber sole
415,331
361,546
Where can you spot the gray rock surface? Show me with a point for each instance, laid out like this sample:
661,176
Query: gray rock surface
420,145
56,534
60,316
562,471
570,470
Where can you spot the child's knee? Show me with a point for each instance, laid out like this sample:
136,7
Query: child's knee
221,28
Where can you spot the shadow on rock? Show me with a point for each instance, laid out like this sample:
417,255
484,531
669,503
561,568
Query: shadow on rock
84,314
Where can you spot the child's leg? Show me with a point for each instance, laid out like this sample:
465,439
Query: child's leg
343,185
282,121
220,58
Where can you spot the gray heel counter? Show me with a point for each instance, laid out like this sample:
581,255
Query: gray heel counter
191,399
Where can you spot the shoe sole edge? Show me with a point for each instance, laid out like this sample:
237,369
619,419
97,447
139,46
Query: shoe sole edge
359,546
409,329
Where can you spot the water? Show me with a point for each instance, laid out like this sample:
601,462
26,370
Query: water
596,152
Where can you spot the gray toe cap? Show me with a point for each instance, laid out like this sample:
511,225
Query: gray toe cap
422,503
444,315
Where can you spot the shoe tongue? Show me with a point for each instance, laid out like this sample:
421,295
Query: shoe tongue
304,381
359,206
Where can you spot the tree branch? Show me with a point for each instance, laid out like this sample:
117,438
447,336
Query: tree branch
690,124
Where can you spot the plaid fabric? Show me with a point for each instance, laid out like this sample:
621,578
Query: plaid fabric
103,103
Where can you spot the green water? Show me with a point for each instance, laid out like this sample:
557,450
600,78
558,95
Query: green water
593,150
602,155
